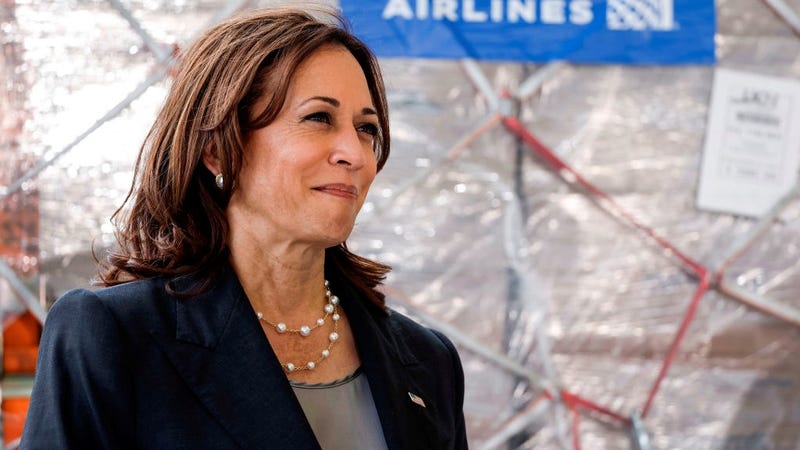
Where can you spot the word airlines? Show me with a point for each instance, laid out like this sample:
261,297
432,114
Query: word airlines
577,12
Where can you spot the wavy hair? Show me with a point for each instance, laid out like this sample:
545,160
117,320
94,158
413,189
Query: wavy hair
172,223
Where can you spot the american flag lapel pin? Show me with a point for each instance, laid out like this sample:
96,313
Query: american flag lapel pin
416,399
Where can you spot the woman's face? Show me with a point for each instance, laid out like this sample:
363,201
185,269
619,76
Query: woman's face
305,175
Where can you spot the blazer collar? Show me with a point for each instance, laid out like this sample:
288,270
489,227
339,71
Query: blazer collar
220,351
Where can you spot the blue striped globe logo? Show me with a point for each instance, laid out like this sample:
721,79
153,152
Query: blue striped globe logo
640,15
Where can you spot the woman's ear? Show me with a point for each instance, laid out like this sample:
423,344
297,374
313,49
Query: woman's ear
210,159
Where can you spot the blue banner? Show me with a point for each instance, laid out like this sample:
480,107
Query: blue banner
582,31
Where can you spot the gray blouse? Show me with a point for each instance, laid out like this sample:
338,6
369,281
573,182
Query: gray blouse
342,413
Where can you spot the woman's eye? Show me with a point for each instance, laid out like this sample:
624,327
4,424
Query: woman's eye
368,128
322,117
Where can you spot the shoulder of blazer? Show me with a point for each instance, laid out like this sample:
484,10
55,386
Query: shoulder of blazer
79,364
423,344
143,303
146,306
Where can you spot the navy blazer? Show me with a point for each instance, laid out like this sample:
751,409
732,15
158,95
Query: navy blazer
132,366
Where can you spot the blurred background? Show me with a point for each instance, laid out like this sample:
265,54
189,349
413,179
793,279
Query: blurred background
523,228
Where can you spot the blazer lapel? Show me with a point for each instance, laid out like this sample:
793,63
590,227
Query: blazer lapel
222,354
390,368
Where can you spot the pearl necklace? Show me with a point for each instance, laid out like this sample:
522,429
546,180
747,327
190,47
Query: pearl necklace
330,310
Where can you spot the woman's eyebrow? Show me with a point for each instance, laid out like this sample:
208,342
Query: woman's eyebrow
329,100
333,102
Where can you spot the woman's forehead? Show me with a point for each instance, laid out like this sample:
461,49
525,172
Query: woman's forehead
331,71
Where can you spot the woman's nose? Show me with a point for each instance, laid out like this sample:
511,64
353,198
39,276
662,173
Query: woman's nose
349,149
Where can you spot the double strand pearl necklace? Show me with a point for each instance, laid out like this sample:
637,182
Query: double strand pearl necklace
331,310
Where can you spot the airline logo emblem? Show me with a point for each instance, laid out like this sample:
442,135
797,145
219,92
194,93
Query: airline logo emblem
637,15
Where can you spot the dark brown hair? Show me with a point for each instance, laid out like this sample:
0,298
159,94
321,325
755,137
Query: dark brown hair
173,222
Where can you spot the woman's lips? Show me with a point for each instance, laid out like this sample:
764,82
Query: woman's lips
339,190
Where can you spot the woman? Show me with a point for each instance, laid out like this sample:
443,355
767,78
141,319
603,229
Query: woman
235,316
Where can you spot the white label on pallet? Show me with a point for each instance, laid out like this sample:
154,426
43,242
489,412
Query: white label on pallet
752,146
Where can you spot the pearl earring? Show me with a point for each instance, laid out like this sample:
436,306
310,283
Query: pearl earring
220,181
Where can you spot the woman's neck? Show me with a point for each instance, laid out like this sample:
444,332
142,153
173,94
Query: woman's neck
285,280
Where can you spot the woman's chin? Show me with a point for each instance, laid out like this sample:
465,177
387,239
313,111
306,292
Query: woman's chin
333,239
